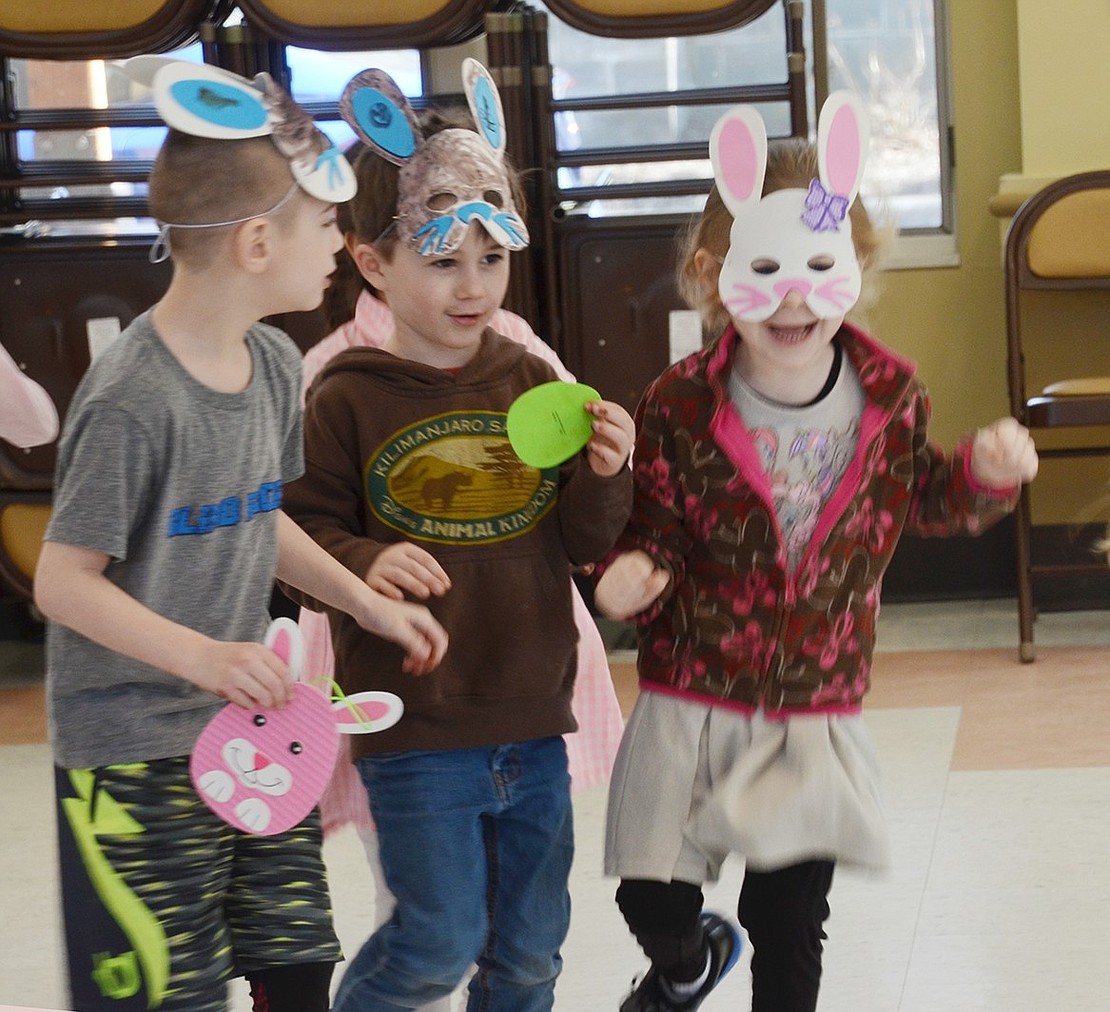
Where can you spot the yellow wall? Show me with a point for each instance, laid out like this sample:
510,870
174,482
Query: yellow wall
1065,81
1065,128
950,320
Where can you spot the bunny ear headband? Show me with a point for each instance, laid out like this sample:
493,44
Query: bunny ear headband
206,101
447,180
790,239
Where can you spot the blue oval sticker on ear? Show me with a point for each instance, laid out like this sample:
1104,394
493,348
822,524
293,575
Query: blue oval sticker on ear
486,105
382,121
220,104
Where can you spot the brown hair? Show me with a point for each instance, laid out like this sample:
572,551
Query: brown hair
368,217
791,164
200,181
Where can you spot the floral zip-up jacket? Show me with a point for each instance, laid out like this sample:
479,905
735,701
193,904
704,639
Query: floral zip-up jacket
734,626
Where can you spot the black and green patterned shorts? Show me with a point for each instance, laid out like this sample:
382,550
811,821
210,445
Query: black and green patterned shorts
164,902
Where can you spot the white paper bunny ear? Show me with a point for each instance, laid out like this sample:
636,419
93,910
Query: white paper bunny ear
842,141
367,712
738,151
485,104
205,101
843,138
285,639
378,111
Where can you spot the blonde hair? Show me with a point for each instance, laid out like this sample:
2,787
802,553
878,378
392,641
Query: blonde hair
791,164
203,181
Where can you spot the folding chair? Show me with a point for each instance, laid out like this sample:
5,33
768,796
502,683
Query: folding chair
1058,241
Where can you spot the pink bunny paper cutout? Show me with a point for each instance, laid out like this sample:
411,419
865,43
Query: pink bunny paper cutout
264,770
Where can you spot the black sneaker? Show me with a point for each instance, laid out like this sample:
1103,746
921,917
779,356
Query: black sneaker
650,995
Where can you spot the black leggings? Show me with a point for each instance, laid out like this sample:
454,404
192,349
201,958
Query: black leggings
783,912
298,987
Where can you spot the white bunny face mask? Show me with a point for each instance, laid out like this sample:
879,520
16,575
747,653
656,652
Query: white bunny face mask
793,239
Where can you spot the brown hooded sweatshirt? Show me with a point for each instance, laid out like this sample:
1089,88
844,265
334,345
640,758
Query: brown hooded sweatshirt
396,450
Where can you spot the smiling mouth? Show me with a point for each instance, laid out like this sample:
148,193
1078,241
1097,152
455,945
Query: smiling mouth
792,335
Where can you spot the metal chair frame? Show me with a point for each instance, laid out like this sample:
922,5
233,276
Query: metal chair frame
1051,408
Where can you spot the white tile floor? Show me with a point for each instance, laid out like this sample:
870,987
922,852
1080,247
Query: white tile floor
999,900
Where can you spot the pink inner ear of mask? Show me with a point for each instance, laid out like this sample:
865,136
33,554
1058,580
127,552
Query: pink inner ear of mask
282,646
843,156
372,710
738,160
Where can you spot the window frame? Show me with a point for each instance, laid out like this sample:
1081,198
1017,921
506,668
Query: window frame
108,215
913,248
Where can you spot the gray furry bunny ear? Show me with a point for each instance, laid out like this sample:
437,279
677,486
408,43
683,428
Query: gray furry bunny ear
376,109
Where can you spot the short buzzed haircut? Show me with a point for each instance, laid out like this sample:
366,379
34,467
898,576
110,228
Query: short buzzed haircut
202,181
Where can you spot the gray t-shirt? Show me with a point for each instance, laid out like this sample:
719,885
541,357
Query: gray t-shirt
180,485
804,448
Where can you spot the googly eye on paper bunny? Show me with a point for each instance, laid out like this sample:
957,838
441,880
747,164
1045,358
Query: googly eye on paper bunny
448,180
206,101
791,239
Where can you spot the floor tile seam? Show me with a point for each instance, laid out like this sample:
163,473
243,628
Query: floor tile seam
929,869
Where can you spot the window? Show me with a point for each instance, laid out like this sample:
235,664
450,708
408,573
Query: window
317,79
703,75
83,135
892,54
84,140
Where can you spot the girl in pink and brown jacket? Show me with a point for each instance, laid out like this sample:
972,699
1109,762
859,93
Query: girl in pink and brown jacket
774,472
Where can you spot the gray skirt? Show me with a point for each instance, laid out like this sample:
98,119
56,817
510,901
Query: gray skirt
694,783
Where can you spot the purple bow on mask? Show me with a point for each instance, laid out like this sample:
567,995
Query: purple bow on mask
824,210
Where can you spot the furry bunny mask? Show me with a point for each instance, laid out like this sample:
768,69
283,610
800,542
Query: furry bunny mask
447,180
791,239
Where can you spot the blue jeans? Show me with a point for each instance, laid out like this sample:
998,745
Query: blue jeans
476,846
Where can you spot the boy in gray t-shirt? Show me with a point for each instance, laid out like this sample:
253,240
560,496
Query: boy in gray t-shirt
157,567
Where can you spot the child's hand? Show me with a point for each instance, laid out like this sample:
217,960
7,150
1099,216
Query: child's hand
614,432
411,626
1003,454
405,568
247,674
629,585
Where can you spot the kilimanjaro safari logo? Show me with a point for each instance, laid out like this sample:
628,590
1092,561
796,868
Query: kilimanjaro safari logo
454,479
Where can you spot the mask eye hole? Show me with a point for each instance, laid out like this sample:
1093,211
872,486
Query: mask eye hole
440,201
824,262
493,198
765,265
